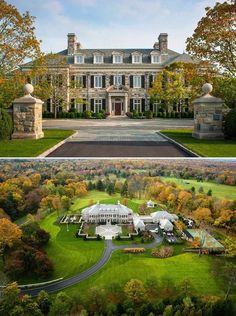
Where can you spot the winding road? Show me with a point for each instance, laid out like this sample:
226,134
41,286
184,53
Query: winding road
109,248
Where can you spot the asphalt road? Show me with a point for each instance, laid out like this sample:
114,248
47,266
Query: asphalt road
109,248
119,149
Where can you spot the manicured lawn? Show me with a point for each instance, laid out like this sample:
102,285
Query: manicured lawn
204,148
32,147
123,267
218,190
69,254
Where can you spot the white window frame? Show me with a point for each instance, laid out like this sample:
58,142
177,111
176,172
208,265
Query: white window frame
137,105
137,59
137,81
157,57
78,82
155,107
115,61
97,105
76,59
98,81
98,59
117,80
80,107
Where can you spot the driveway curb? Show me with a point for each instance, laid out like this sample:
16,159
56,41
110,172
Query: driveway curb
188,151
50,150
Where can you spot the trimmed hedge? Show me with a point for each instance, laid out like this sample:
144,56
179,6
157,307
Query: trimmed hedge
150,115
6,126
75,115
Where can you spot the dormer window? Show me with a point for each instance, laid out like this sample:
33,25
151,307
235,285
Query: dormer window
98,59
155,58
117,58
79,59
136,58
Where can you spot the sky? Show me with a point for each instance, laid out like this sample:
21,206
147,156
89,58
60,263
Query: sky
114,23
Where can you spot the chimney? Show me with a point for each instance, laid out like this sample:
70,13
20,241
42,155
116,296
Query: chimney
163,43
72,43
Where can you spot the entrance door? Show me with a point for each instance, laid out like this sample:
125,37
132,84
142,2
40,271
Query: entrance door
118,108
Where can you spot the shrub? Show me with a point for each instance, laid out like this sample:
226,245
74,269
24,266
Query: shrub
129,114
163,252
172,114
149,115
48,114
87,114
99,116
160,114
154,114
164,114
134,250
230,126
5,124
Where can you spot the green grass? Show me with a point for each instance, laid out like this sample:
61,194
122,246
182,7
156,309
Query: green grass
32,147
204,148
69,254
123,267
218,190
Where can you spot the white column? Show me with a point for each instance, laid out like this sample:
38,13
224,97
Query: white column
109,104
126,104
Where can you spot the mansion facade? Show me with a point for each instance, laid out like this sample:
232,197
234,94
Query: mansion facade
112,80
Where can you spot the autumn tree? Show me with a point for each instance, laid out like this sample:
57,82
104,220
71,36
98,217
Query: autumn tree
9,234
135,291
214,37
230,247
17,40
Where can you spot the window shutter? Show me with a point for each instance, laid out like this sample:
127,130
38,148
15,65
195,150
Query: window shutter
111,80
92,105
143,81
72,103
131,105
84,105
104,104
131,82
84,81
151,107
104,81
143,105
72,81
150,80
123,80
92,81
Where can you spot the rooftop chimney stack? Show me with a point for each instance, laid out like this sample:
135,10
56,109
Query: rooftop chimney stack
163,43
72,43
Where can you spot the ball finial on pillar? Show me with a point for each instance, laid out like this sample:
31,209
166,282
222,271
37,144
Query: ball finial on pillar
207,88
28,89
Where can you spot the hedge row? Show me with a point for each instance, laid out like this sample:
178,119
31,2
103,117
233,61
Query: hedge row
150,114
134,250
73,115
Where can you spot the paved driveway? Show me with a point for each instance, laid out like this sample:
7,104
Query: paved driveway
117,137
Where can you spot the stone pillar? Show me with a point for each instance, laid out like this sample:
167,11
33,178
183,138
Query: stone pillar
208,116
27,116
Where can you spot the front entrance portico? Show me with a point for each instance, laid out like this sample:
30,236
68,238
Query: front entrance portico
117,100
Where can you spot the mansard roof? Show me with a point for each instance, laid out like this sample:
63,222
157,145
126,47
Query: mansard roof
99,209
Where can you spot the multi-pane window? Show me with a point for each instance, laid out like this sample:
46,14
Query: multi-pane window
77,81
97,105
117,80
97,81
79,59
137,59
137,81
156,107
137,105
98,59
155,59
117,59
80,107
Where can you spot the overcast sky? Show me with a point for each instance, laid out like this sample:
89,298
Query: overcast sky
114,23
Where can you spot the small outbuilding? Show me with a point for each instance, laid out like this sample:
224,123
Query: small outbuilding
150,204
138,223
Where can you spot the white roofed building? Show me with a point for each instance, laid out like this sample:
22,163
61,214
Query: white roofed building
138,223
150,204
166,225
160,215
100,213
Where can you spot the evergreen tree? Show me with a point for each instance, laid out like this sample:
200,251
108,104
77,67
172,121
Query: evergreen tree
110,188
124,189
209,193
100,186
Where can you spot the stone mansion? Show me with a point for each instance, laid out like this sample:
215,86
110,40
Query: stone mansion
113,80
